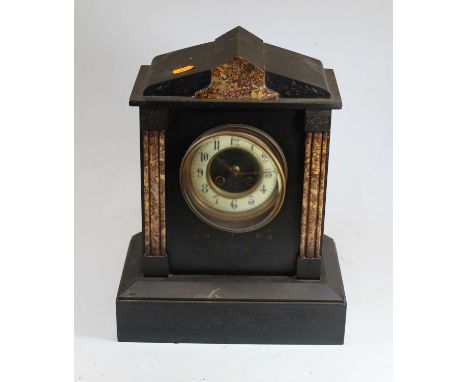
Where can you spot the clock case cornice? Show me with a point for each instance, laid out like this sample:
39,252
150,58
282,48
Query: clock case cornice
300,81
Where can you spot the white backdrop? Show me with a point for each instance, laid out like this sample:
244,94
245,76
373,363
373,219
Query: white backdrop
113,38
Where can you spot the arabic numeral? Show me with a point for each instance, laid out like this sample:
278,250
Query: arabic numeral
234,204
251,201
263,189
216,198
204,188
264,157
234,141
200,172
268,174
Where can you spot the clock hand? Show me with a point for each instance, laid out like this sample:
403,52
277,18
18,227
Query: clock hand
224,164
249,173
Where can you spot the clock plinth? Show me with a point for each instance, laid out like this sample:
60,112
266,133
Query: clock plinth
234,148
231,309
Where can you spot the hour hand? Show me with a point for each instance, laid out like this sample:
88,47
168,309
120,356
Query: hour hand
223,163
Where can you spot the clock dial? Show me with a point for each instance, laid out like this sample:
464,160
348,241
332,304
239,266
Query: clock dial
233,174
233,178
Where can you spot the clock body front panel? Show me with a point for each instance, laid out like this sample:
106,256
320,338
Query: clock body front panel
196,245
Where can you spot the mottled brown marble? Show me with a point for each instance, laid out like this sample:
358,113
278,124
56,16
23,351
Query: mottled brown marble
154,191
305,194
162,190
154,195
321,196
313,194
237,79
313,197
146,202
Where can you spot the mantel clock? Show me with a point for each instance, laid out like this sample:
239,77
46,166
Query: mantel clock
234,150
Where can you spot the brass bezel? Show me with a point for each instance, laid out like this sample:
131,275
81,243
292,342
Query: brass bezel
238,222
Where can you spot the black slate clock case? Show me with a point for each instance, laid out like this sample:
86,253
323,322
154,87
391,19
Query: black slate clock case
221,287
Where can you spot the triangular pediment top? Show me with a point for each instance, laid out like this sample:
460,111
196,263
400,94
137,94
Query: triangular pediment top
187,71
238,42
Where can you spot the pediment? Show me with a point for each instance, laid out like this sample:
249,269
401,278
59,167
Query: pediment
237,65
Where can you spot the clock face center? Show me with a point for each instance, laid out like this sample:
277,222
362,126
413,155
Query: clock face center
234,170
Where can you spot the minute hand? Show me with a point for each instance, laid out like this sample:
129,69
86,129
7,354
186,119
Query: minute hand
249,173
